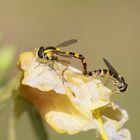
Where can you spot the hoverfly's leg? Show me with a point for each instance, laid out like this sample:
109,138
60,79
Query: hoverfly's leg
64,80
95,75
101,74
45,63
41,61
115,88
66,63
107,74
78,56
37,66
42,72
107,81
51,64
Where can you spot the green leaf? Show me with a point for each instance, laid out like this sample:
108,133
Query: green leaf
7,91
11,90
7,55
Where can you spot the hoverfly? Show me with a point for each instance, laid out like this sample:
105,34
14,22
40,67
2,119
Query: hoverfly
52,53
119,81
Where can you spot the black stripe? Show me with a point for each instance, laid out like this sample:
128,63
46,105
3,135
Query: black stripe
50,47
71,53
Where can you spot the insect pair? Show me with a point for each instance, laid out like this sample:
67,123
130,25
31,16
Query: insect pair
52,54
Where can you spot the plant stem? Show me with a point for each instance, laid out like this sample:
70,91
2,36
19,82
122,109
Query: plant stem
12,125
103,134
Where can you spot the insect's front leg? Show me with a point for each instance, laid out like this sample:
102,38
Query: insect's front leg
78,56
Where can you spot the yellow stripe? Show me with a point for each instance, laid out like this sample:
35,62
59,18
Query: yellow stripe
76,55
108,73
46,51
84,61
102,73
67,52
58,49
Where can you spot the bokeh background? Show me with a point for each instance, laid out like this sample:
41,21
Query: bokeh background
109,29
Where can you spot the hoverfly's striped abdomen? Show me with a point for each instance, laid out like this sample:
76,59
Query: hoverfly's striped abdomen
103,72
83,60
78,56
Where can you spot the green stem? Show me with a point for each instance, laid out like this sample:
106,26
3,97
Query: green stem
12,125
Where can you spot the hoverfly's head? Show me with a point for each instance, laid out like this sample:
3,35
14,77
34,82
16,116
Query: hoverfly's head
123,87
40,52
122,84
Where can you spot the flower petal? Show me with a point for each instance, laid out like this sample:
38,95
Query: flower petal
67,100
57,110
114,119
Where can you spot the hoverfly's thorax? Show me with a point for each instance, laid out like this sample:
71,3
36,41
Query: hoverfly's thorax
50,53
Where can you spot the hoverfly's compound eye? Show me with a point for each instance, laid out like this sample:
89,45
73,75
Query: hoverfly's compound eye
41,52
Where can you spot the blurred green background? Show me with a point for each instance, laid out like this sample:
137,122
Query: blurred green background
109,29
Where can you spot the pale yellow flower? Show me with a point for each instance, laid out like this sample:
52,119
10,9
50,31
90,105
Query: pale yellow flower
71,102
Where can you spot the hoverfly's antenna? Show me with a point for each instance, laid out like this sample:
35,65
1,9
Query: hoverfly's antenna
66,43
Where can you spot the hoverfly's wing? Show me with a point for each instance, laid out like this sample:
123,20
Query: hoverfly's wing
66,43
112,69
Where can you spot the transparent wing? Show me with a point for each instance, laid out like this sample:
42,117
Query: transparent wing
66,43
112,69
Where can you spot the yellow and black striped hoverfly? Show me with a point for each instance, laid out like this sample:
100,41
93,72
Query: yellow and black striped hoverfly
118,80
52,53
